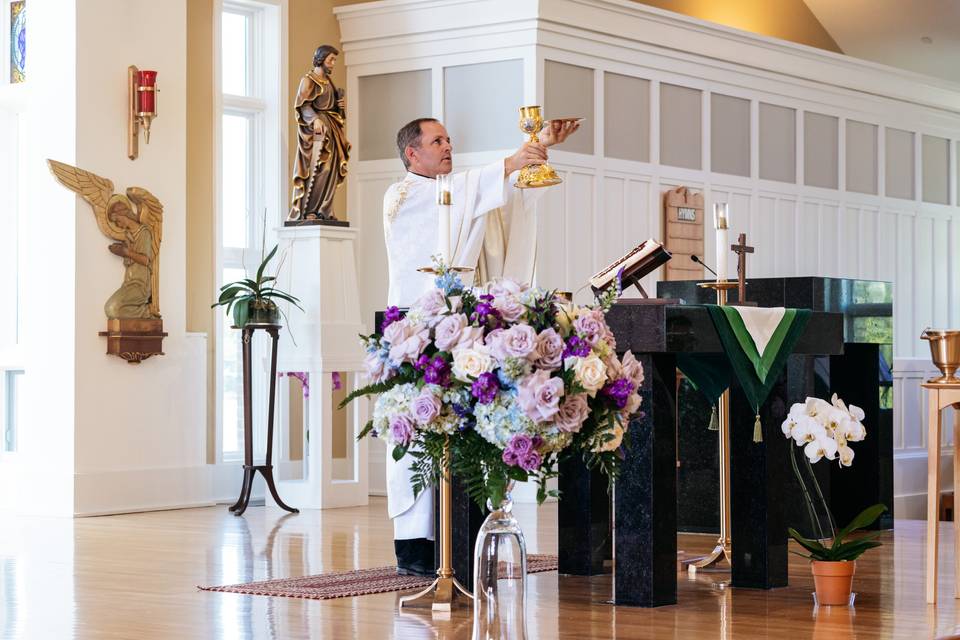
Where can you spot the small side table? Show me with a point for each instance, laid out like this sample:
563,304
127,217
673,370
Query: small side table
250,469
940,396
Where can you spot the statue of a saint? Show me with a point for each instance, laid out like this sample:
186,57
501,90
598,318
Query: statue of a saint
320,164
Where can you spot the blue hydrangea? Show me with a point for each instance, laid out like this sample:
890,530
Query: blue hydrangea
448,282
500,420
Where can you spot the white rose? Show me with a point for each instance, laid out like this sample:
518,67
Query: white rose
591,373
470,362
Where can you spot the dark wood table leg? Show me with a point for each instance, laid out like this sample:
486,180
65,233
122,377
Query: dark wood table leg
266,470
645,495
246,338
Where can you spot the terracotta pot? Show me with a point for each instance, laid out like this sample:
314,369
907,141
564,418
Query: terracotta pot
834,580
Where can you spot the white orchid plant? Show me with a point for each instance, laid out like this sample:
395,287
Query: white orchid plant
825,430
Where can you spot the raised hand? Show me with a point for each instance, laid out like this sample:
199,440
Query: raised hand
557,131
528,153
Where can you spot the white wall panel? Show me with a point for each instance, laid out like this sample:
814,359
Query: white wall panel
785,238
829,240
808,239
849,243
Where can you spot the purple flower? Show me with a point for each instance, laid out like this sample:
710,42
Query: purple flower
530,461
619,391
426,407
485,388
576,346
510,457
521,443
539,395
401,429
391,315
437,372
548,352
509,307
485,312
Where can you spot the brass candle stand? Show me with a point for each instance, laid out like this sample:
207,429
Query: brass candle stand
722,551
446,592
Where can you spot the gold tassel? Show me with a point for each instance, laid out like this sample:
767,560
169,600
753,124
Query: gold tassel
714,421
757,430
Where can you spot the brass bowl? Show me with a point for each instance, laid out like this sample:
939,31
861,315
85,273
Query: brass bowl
945,352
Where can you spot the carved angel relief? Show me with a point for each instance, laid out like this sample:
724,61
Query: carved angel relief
135,223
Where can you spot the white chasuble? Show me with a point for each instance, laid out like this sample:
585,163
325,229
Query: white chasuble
493,230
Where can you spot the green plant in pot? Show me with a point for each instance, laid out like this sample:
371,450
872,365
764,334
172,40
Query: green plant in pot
824,430
254,301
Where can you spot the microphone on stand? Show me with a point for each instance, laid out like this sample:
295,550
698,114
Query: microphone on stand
697,259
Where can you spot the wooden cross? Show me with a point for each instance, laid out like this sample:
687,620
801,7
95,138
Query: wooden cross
741,249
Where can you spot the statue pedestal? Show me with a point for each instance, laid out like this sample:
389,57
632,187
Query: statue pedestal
320,269
134,339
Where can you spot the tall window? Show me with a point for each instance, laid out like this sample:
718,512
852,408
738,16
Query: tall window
250,199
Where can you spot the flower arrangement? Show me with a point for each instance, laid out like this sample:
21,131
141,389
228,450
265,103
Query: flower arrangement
825,430
510,377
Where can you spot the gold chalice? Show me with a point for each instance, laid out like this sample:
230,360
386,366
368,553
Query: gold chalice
945,352
534,175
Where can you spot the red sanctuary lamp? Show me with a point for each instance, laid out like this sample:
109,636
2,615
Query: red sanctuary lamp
141,107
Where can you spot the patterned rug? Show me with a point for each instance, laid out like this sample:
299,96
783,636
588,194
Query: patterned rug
346,584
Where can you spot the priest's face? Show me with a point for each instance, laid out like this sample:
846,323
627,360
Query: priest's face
434,155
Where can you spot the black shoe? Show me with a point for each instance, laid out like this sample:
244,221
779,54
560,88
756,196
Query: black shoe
415,557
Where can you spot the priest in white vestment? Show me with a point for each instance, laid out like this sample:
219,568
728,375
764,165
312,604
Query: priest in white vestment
493,230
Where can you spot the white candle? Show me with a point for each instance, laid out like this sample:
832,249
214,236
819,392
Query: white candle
721,222
444,201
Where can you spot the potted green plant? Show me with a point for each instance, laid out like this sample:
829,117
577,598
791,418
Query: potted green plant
253,301
825,430
833,566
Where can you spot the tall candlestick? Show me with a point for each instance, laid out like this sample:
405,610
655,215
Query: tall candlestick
721,222
444,200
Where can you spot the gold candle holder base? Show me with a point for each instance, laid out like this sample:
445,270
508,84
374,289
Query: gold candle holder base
445,593
433,270
720,553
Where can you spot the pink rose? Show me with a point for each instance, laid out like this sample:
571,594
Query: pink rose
447,334
633,404
431,304
548,351
572,412
470,336
396,332
377,369
632,369
519,341
506,286
539,395
426,407
416,340
509,307
495,344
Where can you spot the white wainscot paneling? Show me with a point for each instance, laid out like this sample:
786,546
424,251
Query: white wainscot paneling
785,242
886,255
581,224
867,243
829,240
941,272
372,263
904,290
612,217
923,291
849,243
552,236
763,235
808,239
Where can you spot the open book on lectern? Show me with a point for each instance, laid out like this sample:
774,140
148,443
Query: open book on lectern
638,262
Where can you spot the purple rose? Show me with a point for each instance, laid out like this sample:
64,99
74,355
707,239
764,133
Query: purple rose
510,457
521,444
591,326
548,351
447,333
539,395
485,387
519,341
401,429
530,461
426,407
495,344
572,412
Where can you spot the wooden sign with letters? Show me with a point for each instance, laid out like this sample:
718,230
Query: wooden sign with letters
683,233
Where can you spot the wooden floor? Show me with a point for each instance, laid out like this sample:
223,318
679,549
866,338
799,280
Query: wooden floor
134,577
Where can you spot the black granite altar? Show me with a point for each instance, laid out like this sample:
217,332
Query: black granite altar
861,376
645,497
646,493
583,527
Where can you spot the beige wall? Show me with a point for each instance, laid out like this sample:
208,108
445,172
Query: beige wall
785,19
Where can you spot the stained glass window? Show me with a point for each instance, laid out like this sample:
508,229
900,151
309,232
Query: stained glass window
18,41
